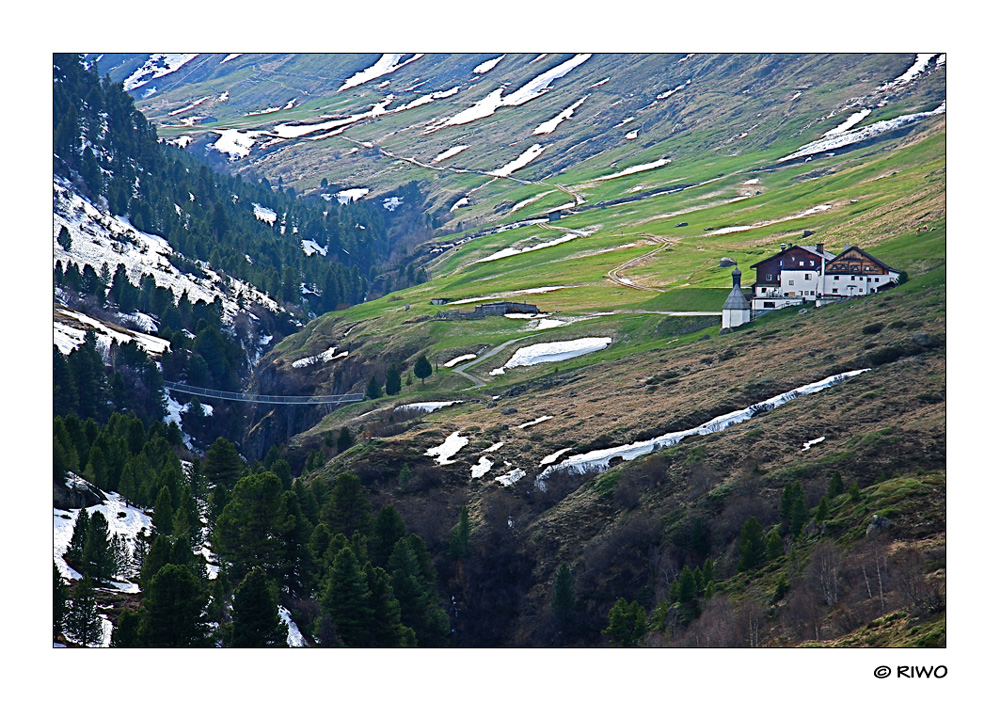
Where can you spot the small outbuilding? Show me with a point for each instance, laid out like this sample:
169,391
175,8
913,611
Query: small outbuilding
736,309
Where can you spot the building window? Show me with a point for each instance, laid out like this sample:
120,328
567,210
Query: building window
769,305
836,277
835,290
791,281
769,276
852,277
808,276
802,263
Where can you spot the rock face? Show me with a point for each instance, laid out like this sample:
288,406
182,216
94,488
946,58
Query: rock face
877,525
726,262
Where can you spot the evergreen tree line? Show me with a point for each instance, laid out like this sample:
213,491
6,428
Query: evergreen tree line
85,387
108,148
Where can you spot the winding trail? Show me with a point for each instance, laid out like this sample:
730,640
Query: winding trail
613,274
462,370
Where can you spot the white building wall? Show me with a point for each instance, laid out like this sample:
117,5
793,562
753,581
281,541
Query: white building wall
734,318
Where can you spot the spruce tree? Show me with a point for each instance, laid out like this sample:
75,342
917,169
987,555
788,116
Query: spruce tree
347,510
77,542
775,548
346,599
98,555
627,623
393,381
836,485
126,631
374,389
458,545
387,529
422,369
174,610
564,598
222,464
822,510
344,440
246,533
387,629
82,624
256,622
752,547
60,597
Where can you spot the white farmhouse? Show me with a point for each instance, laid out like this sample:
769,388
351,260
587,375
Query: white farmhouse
799,274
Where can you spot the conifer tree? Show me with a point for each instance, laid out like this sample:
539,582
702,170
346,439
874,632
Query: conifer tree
458,546
60,597
346,599
82,623
374,389
174,610
163,512
126,631
74,551
775,548
627,623
822,510
393,381
246,531
347,510
387,529
564,598
387,629
256,622
422,369
222,464
752,547
344,440
836,485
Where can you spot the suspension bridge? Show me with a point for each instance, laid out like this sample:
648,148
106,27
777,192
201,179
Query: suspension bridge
265,399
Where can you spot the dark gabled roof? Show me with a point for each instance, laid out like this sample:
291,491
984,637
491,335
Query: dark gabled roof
865,253
809,248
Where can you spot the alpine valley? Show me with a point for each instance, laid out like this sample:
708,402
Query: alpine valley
377,350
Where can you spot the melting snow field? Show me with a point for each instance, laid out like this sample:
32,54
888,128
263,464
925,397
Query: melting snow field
235,143
350,195
511,251
325,357
449,153
550,126
553,351
124,520
295,638
459,359
812,442
636,169
482,467
386,64
533,422
842,139
508,479
491,103
453,444
156,65
310,247
599,460
768,222
488,65
68,337
551,458
264,214
533,152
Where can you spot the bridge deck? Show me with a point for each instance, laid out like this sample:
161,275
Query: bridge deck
265,399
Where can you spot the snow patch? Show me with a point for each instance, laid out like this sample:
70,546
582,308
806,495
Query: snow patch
550,126
512,293
156,66
295,638
264,214
453,444
511,251
387,63
636,169
234,142
508,479
553,351
812,442
428,406
459,359
600,459
449,153
482,467
533,152
350,195
487,66
533,422
310,247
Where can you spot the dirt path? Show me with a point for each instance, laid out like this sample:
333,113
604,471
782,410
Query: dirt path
462,370
631,263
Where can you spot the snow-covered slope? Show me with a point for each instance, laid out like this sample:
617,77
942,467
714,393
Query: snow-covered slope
99,238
